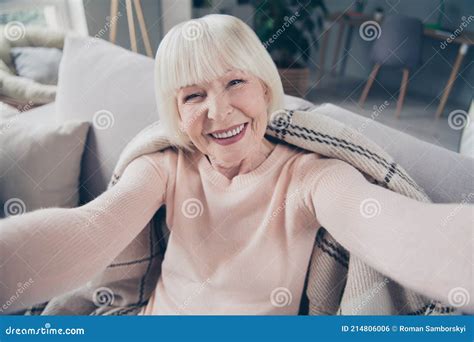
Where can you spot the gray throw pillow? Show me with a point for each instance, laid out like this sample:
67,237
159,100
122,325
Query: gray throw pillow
37,63
39,164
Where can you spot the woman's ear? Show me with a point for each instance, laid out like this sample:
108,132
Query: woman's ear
267,94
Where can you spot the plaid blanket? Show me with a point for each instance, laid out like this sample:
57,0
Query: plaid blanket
336,282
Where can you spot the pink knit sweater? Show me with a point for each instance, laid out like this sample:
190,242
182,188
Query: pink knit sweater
239,246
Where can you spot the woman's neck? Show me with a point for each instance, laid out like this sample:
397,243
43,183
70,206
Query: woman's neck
255,157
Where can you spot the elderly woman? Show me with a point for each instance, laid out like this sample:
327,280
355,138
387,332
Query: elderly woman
261,202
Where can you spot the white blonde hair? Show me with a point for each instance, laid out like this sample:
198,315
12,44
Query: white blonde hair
200,50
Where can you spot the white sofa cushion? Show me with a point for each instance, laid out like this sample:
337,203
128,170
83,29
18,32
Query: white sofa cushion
39,164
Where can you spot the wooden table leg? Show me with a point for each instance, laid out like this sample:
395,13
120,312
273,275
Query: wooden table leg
131,26
113,21
403,91
449,85
143,29
368,85
322,54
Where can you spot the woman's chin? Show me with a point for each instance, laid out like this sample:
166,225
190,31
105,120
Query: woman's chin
227,158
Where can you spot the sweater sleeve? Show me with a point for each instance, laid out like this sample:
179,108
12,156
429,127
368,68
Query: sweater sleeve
424,246
56,250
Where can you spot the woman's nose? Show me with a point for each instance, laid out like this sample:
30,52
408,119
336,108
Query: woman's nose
218,107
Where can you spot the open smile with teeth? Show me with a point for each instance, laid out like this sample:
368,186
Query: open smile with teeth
228,134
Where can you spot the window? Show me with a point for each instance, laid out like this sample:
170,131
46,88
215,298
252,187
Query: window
67,15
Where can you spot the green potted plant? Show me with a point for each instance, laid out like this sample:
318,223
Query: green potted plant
287,29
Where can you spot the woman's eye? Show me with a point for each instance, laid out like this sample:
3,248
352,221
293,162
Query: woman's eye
235,82
190,97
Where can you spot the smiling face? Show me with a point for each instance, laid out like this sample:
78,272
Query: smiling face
226,118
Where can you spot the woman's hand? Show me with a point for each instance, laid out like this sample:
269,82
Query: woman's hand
423,246
57,250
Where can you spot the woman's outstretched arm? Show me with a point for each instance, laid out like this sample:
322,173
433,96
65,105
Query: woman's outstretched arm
423,246
57,250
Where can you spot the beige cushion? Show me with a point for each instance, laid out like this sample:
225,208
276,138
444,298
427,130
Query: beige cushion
113,89
39,164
